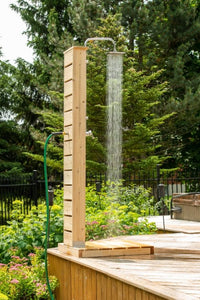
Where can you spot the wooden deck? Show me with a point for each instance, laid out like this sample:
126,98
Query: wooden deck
173,272
175,225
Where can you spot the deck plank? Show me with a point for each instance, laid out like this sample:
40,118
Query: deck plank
173,272
175,225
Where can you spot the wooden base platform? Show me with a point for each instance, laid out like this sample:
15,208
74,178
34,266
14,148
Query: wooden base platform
108,247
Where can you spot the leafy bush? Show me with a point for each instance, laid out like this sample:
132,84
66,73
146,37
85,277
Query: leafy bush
3,297
24,278
116,211
27,232
112,212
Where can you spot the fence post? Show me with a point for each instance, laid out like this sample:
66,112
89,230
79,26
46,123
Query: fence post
35,192
158,181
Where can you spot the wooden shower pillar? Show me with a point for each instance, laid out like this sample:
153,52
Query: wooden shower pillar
74,146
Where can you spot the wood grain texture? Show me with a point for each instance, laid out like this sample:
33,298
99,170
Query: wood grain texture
74,140
67,192
172,275
80,282
67,103
174,225
68,208
68,118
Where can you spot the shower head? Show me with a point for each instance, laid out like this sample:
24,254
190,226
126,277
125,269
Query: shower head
101,39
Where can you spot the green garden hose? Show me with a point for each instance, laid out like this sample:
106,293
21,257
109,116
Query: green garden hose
47,209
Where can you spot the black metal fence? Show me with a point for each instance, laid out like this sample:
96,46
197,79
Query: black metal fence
31,189
28,188
182,181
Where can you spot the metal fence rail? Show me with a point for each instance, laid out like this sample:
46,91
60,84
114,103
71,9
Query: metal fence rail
31,189
174,182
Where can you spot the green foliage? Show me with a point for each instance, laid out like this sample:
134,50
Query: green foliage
27,232
142,94
37,17
116,211
155,35
20,280
96,90
85,17
175,31
11,138
3,297
11,134
136,22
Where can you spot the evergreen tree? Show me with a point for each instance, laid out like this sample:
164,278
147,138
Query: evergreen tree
135,20
36,15
11,139
156,35
11,133
142,93
175,35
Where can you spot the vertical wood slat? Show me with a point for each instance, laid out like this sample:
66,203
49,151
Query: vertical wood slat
119,290
67,192
68,148
68,118
68,177
109,288
67,237
82,283
74,143
68,88
89,284
138,294
67,103
68,223
68,133
125,292
114,289
68,163
77,281
68,208
62,271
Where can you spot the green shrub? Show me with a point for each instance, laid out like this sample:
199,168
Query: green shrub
112,212
3,297
116,211
24,233
24,278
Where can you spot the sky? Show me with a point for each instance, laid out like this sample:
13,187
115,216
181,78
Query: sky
12,41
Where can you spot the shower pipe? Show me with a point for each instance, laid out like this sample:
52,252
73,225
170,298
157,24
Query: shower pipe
101,39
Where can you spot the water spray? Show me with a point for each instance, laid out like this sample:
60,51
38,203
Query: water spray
114,110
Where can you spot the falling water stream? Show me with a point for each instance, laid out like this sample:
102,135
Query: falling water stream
114,116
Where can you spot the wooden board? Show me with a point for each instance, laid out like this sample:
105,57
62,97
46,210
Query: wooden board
108,247
181,243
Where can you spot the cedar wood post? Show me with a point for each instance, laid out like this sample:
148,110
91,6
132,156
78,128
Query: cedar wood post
74,146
